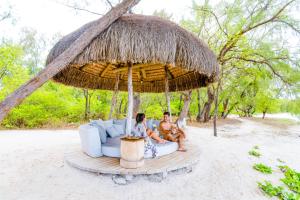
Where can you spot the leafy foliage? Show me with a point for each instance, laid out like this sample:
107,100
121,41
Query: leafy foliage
244,36
277,191
269,189
263,168
291,178
254,153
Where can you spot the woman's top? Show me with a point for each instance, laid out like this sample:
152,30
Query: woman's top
139,130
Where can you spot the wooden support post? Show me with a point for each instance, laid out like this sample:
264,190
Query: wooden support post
130,100
66,57
114,97
216,109
167,92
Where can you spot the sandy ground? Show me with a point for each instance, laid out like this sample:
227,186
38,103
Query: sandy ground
32,167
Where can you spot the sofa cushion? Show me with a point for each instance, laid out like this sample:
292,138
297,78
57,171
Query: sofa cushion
112,148
90,140
107,123
156,123
150,123
101,130
113,132
120,122
119,129
164,149
96,121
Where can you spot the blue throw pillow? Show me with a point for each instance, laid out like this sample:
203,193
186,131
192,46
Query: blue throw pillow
119,129
150,123
107,123
155,123
121,122
101,130
112,132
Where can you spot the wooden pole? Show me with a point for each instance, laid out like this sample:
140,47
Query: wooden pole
65,58
216,110
167,92
130,100
114,97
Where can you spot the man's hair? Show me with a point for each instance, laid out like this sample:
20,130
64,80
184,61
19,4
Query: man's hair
167,113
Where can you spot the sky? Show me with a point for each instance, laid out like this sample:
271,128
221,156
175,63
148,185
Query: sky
49,17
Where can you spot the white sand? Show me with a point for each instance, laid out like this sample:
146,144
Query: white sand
32,167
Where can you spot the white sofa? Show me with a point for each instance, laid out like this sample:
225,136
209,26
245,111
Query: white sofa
92,145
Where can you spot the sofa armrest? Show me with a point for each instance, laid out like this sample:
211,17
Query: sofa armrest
90,140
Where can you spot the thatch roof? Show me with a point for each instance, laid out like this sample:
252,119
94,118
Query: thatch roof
153,45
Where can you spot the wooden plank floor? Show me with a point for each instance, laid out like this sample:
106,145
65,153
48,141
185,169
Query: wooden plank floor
108,165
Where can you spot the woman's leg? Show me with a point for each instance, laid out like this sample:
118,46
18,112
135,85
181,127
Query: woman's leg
153,135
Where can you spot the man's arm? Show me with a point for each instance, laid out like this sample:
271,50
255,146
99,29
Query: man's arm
163,129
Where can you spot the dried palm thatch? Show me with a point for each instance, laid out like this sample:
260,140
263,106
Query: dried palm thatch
156,48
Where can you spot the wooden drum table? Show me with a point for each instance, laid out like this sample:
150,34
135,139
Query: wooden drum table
132,152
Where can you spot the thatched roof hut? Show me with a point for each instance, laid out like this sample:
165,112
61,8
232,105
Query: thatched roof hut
156,47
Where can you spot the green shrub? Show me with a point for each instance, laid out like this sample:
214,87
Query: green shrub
269,189
277,191
291,178
254,153
262,168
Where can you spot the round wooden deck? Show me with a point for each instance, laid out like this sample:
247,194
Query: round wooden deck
108,165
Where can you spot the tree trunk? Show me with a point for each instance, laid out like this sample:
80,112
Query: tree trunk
87,103
229,110
180,100
264,114
225,106
130,100
167,92
125,107
65,58
199,106
120,107
207,106
186,105
136,103
114,97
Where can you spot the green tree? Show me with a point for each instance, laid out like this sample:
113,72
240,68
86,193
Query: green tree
248,37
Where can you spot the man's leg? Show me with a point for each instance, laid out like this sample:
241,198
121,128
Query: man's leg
181,143
182,132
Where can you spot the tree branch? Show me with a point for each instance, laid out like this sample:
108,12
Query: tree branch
234,39
109,3
249,28
81,9
6,16
265,62
289,25
216,18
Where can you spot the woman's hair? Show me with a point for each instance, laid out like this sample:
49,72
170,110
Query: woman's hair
140,117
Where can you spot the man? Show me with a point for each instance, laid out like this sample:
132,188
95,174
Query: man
171,132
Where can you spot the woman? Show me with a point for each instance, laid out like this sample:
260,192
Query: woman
141,130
